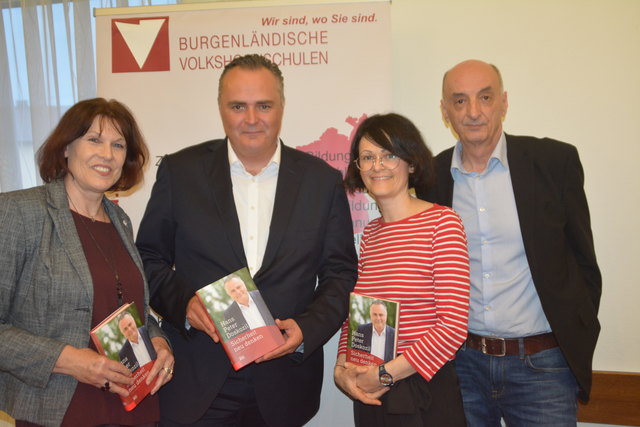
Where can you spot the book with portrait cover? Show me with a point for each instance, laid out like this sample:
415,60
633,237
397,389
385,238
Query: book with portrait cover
244,323
122,337
372,338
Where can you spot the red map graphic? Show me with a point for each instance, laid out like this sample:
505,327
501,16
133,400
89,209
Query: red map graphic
333,147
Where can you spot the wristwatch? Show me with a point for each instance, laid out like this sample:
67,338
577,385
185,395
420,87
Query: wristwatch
384,377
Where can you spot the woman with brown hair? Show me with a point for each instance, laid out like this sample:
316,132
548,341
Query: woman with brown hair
68,260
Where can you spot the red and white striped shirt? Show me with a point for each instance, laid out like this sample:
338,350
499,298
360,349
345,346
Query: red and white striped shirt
422,263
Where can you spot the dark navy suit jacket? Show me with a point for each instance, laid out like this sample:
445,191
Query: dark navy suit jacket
190,236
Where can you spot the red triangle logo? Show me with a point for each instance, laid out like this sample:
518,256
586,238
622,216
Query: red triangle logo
140,45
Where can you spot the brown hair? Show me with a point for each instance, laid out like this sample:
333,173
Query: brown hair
399,136
76,122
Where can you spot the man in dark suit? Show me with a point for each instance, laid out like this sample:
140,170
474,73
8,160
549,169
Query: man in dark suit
248,200
137,350
248,310
384,334
535,282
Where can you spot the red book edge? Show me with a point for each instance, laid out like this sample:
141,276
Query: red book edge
271,337
368,359
139,385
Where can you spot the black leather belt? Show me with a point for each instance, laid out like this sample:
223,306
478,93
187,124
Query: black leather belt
495,346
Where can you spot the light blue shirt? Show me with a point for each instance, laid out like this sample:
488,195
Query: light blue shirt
503,299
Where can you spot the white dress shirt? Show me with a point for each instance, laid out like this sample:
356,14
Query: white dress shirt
377,342
251,314
141,352
254,197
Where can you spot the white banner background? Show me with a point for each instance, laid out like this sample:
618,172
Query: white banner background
338,70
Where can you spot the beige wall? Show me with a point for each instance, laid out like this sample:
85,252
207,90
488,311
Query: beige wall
572,72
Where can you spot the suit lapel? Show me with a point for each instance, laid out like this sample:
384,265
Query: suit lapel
523,182
216,167
289,179
68,235
123,227
448,180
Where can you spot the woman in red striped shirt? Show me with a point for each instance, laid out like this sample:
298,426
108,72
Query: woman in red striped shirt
415,254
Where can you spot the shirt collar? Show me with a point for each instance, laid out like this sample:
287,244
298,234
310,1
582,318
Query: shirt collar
382,334
250,302
499,155
235,162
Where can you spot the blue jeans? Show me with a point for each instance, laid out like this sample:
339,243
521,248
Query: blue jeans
534,390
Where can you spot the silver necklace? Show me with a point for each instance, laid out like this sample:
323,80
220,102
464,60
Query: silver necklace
112,265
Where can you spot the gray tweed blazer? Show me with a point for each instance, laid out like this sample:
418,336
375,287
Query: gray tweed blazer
46,298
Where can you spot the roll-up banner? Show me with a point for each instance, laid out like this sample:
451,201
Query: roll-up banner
164,63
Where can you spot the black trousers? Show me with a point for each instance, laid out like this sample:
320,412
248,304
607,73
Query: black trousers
415,402
234,406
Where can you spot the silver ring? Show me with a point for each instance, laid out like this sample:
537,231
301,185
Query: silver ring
106,386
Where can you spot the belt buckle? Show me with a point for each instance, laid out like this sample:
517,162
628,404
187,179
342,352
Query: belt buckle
483,343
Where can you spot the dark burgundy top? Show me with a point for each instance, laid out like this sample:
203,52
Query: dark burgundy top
90,405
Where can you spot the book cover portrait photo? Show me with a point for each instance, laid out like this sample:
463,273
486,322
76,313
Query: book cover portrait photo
372,330
122,337
243,321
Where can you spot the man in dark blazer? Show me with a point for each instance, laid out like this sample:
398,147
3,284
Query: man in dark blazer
378,316
205,219
535,282
235,287
135,335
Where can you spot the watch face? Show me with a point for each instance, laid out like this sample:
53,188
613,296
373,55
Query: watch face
386,379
